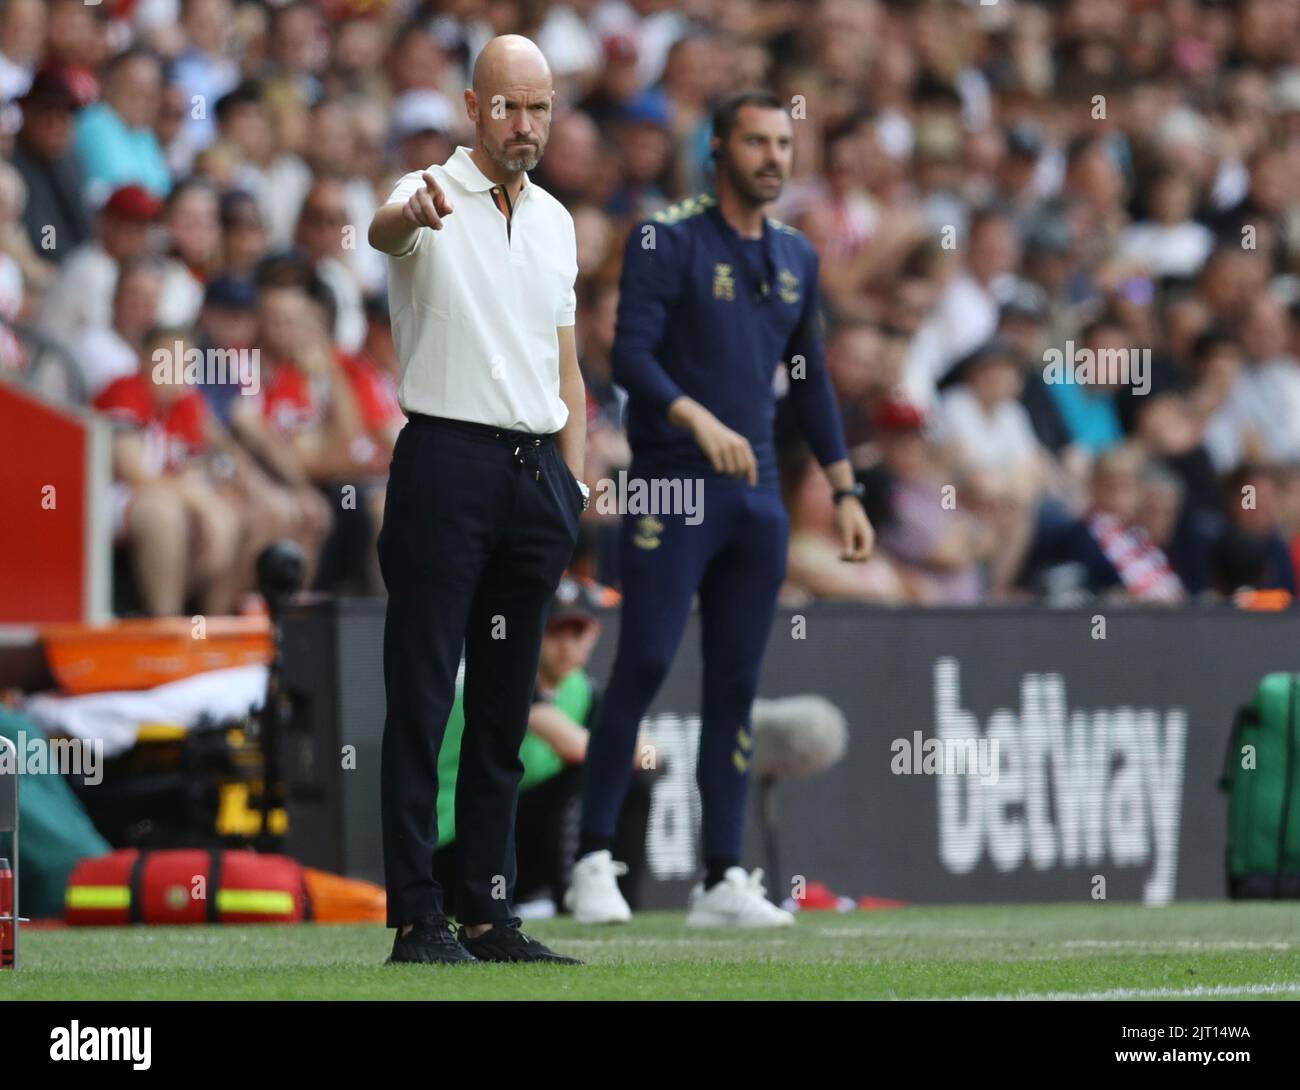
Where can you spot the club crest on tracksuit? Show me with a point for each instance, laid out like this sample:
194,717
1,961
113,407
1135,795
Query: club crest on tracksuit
724,283
787,286
648,532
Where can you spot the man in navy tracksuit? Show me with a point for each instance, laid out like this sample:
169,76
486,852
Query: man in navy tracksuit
714,297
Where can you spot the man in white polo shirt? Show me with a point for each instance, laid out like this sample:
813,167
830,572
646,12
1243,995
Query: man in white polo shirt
483,498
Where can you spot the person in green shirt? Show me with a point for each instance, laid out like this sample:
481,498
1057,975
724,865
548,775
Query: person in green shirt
565,702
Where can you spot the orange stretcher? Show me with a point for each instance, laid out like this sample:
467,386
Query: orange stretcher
144,653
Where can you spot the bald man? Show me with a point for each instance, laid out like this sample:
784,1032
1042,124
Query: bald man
483,502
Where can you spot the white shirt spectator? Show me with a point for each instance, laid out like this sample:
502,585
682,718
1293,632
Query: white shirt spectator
181,297
567,42
103,357
278,189
81,297
350,313
368,265
965,316
1178,249
999,439
13,356
1266,401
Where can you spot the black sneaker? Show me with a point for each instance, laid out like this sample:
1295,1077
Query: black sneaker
432,941
505,942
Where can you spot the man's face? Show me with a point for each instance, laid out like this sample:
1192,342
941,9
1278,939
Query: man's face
135,307
422,148
228,327
514,122
137,92
47,129
757,154
323,218
282,316
566,646
195,226
1118,491
124,238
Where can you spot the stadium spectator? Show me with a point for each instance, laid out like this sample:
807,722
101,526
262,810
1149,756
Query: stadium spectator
81,297
115,143
1047,174
1252,505
816,567
422,128
56,218
22,270
243,234
1117,555
113,351
966,313
194,232
321,236
937,546
979,422
1267,399
185,538
22,44
1087,401
204,71
985,435
1171,243
305,396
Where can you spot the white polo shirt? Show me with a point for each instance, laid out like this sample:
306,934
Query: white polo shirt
475,309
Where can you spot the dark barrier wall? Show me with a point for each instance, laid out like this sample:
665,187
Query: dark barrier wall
1109,730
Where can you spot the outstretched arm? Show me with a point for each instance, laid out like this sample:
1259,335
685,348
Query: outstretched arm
418,201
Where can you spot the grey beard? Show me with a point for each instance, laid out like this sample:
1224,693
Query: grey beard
517,165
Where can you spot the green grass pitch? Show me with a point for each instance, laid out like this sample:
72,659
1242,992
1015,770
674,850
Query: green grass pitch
1096,951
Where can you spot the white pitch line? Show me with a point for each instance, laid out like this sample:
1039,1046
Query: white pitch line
1142,993
914,933
1180,944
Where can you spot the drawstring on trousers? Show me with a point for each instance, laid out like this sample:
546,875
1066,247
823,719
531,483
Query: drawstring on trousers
531,452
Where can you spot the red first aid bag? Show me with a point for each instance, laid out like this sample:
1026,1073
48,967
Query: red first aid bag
186,887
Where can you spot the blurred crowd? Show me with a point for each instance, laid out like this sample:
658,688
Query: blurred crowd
985,184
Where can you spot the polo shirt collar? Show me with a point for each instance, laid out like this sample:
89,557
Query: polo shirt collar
463,168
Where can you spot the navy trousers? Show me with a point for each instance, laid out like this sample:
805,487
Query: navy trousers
734,557
479,525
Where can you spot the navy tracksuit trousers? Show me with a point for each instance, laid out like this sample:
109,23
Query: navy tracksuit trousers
735,559
478,528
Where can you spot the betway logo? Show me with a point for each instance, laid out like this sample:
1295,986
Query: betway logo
1077,787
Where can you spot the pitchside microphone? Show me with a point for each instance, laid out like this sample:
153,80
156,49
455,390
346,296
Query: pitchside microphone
796,736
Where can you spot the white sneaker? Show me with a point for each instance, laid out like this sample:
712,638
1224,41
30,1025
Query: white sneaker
593,895
737,901
541,909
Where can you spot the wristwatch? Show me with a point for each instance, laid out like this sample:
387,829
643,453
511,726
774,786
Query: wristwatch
857,490
586,493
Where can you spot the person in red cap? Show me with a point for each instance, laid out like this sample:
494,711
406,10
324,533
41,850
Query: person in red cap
934,540
82,296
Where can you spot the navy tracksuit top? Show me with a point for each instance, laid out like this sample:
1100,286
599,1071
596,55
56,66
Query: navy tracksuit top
705,313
